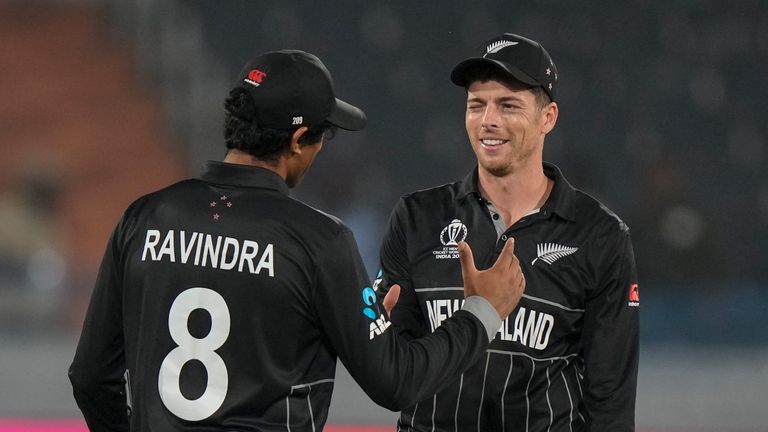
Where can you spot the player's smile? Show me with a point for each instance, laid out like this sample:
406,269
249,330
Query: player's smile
492,144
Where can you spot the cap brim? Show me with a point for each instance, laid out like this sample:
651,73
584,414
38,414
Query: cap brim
460,73
347,116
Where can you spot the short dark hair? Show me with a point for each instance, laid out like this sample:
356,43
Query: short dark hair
484,73
241,130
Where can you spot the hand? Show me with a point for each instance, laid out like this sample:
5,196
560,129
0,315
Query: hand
391,298
502,285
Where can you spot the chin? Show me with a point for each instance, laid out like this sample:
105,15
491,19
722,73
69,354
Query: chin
497,169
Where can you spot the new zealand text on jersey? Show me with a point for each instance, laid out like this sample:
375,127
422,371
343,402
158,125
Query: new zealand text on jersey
530,328
206,250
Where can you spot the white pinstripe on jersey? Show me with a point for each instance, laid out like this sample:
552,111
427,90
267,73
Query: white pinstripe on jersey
288,401
527,401
482,393
458,399
549,404
570,399
509,373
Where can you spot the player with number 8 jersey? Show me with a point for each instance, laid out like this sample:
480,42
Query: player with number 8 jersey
222,303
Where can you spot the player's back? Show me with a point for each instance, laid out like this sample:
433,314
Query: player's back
220,328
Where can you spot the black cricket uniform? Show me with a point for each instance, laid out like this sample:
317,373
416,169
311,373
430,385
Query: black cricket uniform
566,359
224,304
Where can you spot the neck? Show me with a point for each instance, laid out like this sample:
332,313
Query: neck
240,157
517,193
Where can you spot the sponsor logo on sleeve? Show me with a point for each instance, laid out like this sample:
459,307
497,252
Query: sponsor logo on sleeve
379,278
634,295
378,325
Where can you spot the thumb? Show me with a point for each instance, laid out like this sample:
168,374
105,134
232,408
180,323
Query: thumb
507,256
467,259
391,298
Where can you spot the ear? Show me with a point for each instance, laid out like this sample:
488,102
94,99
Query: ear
297,134
549,113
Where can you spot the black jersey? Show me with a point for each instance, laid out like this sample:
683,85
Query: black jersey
222,304
566,359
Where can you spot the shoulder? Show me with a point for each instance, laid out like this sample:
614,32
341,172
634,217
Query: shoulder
596,215
431,198
146,203
316,219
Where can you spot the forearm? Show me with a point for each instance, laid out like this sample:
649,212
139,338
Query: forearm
99,365
102,401
423,366
610,338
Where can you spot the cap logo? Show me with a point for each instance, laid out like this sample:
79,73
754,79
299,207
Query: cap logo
255,77
498,46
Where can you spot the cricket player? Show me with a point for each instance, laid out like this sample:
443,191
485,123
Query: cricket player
567,358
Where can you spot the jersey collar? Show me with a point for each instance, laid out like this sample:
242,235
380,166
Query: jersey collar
243,175
560,201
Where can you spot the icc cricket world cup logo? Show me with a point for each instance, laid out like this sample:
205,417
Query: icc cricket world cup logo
453,233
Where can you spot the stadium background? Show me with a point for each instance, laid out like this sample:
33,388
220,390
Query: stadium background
662,118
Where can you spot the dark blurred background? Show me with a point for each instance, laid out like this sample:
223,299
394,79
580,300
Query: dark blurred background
661,118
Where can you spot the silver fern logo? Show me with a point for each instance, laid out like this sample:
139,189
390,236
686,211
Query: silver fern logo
551,252
498,46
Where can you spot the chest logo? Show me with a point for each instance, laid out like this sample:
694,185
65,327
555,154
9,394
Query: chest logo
453,233
551,252
450,236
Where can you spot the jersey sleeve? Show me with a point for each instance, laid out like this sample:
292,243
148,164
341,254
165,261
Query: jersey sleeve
610,339
99,365
394,372
395,269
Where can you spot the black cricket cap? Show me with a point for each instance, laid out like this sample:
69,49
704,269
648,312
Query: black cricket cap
521,58
293,88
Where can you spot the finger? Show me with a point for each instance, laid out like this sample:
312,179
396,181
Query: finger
390,300
507,256
467,259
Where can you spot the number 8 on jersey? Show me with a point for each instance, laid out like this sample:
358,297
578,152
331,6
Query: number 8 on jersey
191,348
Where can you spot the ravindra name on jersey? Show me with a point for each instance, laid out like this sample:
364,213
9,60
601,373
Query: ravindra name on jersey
208,250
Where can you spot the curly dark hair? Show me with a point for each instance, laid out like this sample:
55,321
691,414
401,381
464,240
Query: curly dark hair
241,131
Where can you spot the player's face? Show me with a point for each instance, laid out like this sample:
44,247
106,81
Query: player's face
505,126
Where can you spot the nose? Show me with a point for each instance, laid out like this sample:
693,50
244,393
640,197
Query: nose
490,117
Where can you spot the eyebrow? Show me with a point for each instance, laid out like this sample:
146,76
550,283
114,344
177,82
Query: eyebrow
498,100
